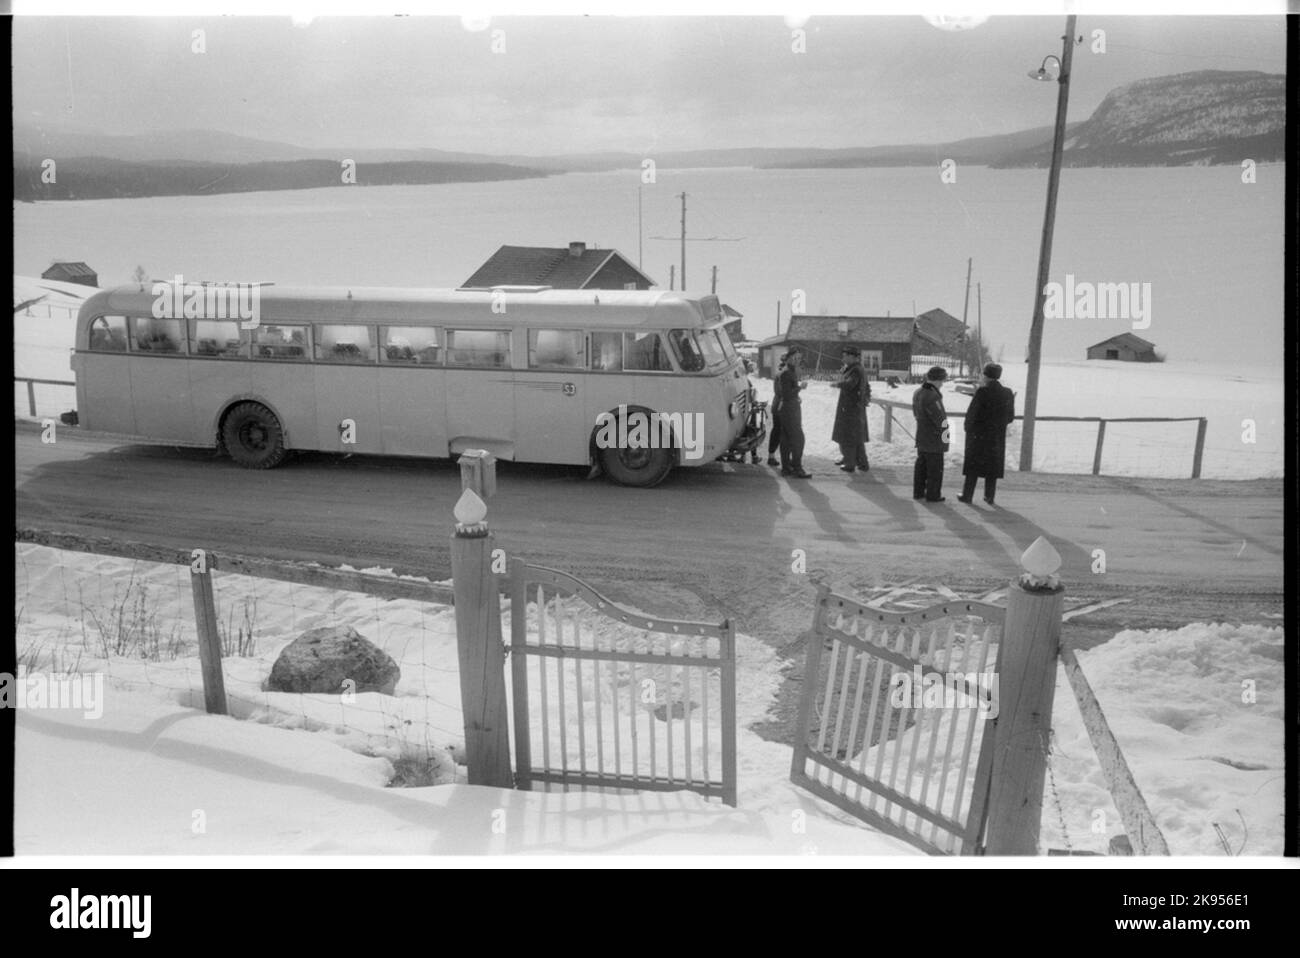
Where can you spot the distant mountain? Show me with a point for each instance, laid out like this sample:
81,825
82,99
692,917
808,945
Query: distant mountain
1209,116
84,178
1205,117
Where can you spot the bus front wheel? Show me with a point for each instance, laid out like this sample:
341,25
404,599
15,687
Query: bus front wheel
253,436
636,467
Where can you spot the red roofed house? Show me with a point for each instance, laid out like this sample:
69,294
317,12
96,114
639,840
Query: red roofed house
574,267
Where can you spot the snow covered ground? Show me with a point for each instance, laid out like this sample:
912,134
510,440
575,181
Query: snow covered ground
1226,396
289,774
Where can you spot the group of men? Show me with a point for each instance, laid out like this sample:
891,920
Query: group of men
991,410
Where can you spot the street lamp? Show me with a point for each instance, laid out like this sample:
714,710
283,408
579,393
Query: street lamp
1032,356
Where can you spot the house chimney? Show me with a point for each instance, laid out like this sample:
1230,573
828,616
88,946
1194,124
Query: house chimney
577,249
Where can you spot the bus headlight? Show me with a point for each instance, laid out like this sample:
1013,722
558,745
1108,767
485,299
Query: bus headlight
731,409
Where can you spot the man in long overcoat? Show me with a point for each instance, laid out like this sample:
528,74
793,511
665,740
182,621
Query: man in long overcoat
991,410
931,437
850,429
790,416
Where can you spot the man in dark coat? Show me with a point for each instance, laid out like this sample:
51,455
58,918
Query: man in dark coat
931,437
790,416
774,437
992,409
850,429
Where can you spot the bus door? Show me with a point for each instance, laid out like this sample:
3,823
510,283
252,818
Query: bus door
551,424
479,384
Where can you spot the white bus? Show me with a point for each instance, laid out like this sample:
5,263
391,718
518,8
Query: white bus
529,374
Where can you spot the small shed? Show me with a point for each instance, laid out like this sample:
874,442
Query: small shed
1125,347
770,351
72,273
885,341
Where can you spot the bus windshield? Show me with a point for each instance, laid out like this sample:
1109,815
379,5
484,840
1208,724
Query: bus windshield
697,351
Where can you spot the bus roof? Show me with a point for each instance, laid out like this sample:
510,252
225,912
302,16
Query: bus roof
659,309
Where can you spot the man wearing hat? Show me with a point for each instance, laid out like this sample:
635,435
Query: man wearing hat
931,437
851,411
991,410
790,416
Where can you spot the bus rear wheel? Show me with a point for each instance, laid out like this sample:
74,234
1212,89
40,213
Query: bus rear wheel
636,467
253,436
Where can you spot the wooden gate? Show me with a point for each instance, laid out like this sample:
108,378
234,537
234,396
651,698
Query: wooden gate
614,698
892,706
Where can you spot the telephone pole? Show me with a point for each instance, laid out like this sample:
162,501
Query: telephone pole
979,319
683,195
965,307
672,273
713,287
1045,249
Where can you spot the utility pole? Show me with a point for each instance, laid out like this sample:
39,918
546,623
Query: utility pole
672,273
778,317
979,319
639,231
965,307
713,287
683,239
1033,353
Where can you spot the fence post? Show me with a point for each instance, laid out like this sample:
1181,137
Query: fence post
1196,456
1026,685
479,647
205,618
1096,456
31,397
889,422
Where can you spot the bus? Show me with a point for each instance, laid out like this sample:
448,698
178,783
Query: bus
529,374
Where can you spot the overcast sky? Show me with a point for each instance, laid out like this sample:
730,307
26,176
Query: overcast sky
566,84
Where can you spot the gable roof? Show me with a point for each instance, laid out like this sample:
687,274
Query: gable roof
1136,343
69,269
545,266
861,329
940,328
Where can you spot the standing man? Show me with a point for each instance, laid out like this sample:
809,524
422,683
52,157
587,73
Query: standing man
790,416
931,437
992,409
851,411
774,439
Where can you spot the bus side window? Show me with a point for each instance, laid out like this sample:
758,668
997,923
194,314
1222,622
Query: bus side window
555,349
607,352
215,337
345,344
411,345
478,347
645,351
688,353
156,335
280,342
108,334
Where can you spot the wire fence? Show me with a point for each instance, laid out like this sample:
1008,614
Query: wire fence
134,621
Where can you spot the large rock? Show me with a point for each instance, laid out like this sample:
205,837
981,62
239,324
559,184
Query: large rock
320,660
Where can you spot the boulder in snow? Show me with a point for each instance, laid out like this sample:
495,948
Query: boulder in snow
322,660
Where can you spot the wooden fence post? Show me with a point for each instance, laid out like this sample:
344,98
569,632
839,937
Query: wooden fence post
1196,456
1101,439
889,422
1026,685
205,618
479,647
31,397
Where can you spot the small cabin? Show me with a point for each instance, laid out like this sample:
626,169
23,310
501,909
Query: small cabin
1125,347
72,273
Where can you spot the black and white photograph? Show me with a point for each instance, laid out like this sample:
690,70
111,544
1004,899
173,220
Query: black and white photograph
650,433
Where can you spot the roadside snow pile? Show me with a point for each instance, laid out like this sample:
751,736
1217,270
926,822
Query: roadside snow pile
1198,714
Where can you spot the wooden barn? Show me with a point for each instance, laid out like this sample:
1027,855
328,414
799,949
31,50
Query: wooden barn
72,273
939,339
1125,347
885,341
572,267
